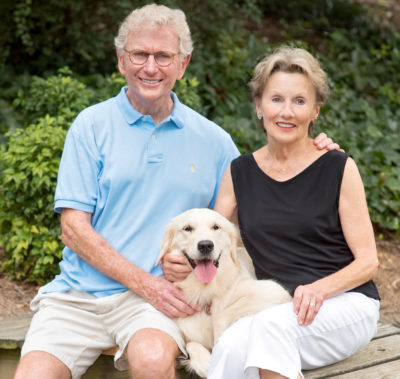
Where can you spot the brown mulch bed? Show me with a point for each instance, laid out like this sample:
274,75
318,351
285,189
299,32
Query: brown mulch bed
388,280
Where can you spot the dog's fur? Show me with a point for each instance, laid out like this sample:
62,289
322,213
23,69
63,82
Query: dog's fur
222,281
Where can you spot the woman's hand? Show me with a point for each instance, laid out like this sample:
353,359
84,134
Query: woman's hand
175,267
306,304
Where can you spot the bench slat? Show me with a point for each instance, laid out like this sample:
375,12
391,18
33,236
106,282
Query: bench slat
390,370
13,330
385,330
381,356
378,351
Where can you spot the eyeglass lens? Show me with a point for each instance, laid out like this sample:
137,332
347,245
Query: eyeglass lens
162,58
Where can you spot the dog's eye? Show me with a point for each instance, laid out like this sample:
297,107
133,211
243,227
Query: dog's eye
216,227
188,228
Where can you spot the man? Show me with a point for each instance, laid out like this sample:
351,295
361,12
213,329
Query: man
129,165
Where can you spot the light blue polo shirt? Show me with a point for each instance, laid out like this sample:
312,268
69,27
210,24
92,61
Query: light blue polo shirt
134,176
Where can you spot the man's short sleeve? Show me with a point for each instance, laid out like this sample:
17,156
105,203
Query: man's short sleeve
80,168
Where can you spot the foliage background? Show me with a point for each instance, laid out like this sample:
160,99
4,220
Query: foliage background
58,57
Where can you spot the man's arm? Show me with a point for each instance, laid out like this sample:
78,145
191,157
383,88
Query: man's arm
79,235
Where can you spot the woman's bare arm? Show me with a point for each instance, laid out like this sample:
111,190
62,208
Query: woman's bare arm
359,235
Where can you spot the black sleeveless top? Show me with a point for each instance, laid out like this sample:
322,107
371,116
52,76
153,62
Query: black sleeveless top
292,229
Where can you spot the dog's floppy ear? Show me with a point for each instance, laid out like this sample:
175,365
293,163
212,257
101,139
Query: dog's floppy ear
166,242
233,235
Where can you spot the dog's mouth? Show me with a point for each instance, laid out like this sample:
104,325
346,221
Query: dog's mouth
204,269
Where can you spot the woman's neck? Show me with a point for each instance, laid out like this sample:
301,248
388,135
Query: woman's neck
282,162
282,153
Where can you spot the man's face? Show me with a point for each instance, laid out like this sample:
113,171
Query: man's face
150,83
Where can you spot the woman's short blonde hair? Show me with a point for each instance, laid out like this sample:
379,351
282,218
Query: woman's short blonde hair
154,16
290,59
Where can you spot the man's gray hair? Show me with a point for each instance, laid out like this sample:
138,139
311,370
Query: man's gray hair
154,16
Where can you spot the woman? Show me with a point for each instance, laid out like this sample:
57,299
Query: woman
304,220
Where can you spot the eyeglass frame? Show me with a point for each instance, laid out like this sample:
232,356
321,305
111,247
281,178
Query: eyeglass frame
148,55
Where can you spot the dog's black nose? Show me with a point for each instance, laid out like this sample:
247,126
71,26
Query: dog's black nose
205,247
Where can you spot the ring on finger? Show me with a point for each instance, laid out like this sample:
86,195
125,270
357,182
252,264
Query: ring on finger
312,304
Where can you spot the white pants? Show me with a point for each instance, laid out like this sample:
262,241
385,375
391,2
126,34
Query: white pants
273,340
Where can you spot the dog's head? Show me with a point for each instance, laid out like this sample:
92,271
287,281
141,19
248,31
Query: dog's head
204,237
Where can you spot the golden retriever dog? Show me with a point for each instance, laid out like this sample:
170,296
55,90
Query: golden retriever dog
222,281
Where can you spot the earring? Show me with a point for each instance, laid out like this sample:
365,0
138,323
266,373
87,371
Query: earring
259,116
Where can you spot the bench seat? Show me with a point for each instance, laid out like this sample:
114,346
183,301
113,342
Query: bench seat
380,359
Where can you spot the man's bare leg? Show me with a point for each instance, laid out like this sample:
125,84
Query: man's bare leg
40,365
152,353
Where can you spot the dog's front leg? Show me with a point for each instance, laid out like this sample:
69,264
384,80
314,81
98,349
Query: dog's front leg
220,324
199,359
224,319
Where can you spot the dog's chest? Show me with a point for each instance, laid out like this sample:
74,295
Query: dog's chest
197,327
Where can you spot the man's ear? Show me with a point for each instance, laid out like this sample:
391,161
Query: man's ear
121,63
182,66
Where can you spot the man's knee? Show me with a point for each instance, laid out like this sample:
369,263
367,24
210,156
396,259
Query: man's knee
49,367
152,353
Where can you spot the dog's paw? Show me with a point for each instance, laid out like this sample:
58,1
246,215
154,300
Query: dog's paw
199,359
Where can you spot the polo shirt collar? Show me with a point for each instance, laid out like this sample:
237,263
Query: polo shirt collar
132,116
177,112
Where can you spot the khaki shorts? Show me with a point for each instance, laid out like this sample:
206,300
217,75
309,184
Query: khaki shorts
76,327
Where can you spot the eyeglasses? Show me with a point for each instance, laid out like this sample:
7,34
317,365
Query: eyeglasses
162,58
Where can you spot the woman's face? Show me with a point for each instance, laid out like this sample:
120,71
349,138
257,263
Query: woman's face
288,105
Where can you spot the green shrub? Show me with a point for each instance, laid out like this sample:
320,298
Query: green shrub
41,36
10,84
107,86
224,71
363,112
186,90
369,131
29,229
58,95
246,133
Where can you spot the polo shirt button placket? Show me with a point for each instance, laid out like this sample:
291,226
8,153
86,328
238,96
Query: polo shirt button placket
155,156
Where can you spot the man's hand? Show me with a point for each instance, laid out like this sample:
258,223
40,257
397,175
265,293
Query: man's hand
322,141
175,267
165,297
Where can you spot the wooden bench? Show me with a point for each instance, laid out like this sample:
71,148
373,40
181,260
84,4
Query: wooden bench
380,359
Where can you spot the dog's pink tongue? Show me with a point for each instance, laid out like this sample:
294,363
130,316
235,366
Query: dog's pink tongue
205,270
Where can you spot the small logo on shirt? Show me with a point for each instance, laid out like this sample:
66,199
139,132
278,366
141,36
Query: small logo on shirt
192,167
